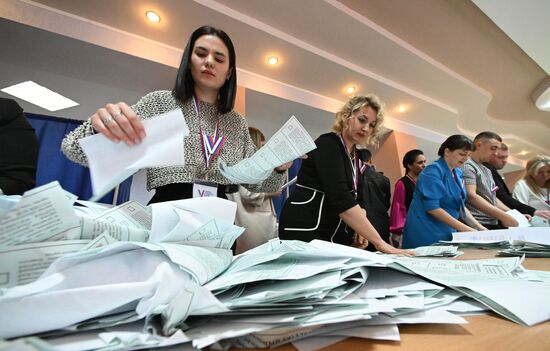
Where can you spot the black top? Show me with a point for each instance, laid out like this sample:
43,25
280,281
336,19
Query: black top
18,149
374,197
409,190
324,190
504,194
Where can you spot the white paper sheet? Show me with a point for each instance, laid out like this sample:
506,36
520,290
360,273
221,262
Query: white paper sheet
111,163
44,213
22,264
166,218
287,144
522,220
538,235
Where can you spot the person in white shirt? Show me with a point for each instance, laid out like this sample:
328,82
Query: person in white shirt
533,189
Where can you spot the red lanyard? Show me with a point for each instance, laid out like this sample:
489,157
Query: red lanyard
210,145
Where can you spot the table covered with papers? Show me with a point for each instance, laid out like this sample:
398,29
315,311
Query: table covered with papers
487,332
81,276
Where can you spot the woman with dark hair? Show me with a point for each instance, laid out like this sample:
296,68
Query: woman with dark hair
324,205
414,162
439,198
205,91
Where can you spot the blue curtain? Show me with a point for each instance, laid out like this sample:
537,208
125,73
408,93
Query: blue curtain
292,172
53,165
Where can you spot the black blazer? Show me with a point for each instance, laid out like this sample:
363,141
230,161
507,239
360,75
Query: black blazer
374,197
324,190
18,149
504,194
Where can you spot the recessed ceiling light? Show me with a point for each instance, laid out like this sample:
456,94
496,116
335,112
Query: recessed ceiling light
401,108
152,16
40,96
350,90
272,60
523,153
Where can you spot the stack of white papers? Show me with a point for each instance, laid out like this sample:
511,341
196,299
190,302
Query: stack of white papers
528,242
437,251
164,274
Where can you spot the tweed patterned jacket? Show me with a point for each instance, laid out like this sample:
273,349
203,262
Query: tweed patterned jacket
231,125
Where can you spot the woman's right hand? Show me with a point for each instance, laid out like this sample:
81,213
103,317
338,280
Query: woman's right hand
118,122
466,228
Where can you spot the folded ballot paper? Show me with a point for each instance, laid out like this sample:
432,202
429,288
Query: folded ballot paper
111,163
75,275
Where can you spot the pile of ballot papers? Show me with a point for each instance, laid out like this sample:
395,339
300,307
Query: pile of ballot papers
521,242
437,251
528,250
76,275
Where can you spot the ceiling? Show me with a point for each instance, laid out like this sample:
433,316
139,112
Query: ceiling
454,69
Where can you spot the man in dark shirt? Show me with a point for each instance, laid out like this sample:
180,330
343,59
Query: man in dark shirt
374,195
18,150
497,163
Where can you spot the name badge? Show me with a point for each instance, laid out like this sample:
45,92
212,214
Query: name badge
205,190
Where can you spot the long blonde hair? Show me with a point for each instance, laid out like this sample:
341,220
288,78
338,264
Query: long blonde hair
355,103
532,168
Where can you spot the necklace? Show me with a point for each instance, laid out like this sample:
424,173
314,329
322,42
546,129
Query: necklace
411,178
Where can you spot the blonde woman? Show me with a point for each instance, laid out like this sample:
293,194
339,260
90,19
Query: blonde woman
324,205
533,189
255,211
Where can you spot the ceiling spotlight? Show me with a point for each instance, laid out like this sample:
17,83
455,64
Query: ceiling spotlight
401,108
272,60
541,95
152,16
350,90
523,153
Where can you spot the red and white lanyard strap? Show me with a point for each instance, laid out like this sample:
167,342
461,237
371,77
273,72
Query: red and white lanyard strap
354,167
210,145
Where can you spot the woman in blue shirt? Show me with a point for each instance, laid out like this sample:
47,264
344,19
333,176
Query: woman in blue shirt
439,198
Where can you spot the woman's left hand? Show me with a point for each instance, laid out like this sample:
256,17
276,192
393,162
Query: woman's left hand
287,165
387,248
284,167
